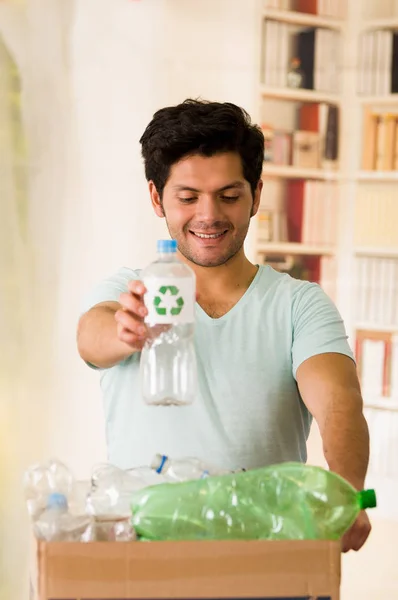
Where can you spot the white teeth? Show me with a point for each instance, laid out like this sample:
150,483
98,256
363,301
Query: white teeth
209,236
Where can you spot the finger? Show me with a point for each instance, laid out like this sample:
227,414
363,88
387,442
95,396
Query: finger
345,545
130,322
134,304
137,287
346,541
129,338
361,538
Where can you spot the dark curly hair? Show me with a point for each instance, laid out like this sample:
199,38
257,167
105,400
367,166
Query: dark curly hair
201,127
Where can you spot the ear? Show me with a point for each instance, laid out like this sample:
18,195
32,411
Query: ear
257,198
156,200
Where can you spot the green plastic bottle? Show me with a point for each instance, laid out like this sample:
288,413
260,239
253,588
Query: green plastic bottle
289,501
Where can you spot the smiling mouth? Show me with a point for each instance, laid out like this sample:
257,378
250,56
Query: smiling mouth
209,236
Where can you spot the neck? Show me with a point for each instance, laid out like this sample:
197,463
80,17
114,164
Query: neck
238,272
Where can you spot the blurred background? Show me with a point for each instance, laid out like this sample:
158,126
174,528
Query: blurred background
79,81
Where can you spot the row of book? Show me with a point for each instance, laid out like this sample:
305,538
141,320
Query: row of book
318,51
308,214
325,8
376,288
312,209
313,145
376,355
317,269
379,9
376,216
380,140
378,62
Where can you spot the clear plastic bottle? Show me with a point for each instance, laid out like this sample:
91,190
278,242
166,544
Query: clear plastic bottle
43,479
168,360
56,524
183,469
289,501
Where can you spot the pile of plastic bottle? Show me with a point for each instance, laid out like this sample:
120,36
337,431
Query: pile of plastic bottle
187,499
63,509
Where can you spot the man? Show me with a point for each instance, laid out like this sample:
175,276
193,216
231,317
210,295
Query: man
272,351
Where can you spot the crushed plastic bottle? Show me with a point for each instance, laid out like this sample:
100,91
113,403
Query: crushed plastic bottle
168,361
183,469
56,524
289,501
112,488
113,528
43,479
109,499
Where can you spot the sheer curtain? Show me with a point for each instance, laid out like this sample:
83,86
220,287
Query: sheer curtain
72,210
14,274
32,182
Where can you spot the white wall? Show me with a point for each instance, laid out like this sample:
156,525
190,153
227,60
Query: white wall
115,86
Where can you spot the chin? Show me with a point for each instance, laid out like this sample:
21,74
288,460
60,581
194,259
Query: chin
209,261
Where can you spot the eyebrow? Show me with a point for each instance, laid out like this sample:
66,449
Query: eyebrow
186,188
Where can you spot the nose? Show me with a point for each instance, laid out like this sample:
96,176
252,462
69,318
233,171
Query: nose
209,209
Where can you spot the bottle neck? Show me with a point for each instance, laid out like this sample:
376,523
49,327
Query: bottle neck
167,257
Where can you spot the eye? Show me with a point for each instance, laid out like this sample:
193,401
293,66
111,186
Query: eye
230,198
187,200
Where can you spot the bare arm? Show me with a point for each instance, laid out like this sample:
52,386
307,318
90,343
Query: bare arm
329,386
110,332
97,339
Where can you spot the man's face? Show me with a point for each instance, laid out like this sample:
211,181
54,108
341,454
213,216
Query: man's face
207,204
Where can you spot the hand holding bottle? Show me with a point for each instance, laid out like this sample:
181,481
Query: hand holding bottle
131,328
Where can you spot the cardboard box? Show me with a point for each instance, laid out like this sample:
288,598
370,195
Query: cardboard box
306,570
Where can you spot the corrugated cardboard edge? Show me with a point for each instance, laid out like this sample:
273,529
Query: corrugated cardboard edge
189,569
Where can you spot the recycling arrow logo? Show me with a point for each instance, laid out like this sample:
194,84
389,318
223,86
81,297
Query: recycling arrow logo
168,301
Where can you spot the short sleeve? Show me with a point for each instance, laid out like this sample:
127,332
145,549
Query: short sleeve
109,289
317,326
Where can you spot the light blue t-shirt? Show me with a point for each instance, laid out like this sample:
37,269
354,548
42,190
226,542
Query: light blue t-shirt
248,412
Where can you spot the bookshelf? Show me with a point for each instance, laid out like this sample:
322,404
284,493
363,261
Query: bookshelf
378,176
302,19
377,251
358,264
289,172
298,95
294,249
283,27
387,99
381,23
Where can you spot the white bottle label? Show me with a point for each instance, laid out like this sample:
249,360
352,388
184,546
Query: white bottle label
170,301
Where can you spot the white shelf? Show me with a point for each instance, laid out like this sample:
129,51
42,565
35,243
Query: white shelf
303,19
389,404
383,23
293,248
378,176
289,172
376,251
385,328
298,95
386,100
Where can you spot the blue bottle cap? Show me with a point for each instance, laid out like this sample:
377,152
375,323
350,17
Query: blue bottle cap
167,246
57,500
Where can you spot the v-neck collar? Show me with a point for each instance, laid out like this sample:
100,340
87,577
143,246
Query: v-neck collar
203,316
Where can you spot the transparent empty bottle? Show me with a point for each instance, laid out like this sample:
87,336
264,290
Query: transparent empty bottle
56,524
43,479
183,469
168,361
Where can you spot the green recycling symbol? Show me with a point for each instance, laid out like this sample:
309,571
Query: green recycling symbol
165,292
